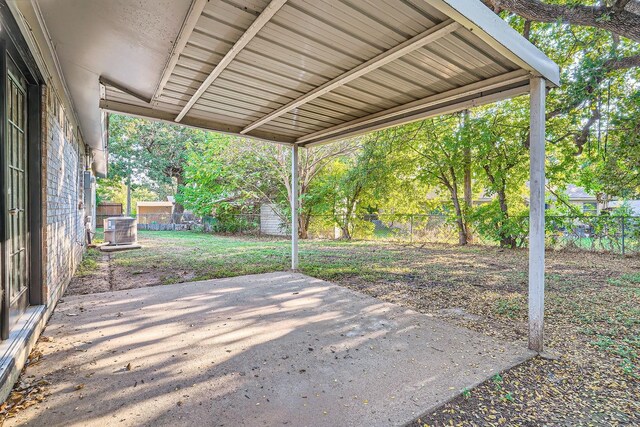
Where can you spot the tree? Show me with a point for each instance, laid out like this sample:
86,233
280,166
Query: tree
442,155
152,153
364,181
226,168
115,190
597,45
613,166
311,163
620,17
499,138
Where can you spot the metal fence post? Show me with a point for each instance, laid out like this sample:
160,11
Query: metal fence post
411,229
622,219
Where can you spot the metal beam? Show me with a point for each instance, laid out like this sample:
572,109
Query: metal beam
384,58
266,15
155,114
433,111
441,98
104,81
536,214
190,21
294,207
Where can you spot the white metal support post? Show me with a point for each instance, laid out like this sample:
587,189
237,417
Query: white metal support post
294,207
536,214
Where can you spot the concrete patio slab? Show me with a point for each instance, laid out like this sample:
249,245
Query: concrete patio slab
271,349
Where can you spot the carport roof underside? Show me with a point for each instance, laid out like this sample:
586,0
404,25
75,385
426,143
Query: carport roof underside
289,71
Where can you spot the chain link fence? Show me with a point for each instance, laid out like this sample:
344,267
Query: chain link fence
228,224
603,233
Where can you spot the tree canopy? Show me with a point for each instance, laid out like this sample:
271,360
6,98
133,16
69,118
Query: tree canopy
435,165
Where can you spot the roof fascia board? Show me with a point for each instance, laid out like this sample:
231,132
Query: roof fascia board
494,31
441,98
421,115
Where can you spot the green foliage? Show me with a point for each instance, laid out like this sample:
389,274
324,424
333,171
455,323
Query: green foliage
113,189
494,226
152,154
508,307
207,176
442,154
228,221
89,263
365,181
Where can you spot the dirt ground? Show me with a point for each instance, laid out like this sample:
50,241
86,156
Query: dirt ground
592,312
108,276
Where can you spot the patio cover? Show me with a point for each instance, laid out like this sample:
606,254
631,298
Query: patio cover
297,72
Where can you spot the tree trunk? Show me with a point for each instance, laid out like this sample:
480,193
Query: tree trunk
129,195
344,229
303,225
343,224
507,240
346,219
178,208
451,182
462,233
468,201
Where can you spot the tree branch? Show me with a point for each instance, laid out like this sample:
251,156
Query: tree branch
618,18
621,63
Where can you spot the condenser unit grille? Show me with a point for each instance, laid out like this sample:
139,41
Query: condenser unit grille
120,230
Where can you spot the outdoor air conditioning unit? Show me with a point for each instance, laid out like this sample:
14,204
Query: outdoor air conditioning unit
120,231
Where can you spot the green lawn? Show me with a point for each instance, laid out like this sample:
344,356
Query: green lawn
592,311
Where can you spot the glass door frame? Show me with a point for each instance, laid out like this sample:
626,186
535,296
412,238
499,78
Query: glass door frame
17,221
13,44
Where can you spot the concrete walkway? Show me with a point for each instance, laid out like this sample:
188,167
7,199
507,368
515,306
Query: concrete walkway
271,349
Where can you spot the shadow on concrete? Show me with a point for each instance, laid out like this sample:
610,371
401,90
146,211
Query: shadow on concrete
270,349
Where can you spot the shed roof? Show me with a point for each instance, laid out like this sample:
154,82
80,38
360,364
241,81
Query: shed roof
288,71
156,204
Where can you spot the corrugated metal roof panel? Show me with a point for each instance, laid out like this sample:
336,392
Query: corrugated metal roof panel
275,84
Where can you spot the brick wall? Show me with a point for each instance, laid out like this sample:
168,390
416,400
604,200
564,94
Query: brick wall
65,231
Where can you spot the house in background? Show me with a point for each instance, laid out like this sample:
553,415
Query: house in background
587,203
634,205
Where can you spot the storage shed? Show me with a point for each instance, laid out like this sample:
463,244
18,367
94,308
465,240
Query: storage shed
149,212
